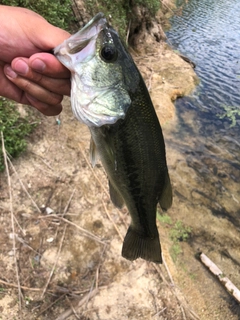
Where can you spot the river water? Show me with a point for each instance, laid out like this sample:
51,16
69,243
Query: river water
206,165
208,32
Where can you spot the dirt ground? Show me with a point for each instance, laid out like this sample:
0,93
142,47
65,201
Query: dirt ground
68,236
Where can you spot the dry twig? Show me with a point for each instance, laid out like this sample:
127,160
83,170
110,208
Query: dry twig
60,246
68,204
9,161
73,309
231,288
106,192
181,302
110,218
12,223
85,299
51,304
159,312
56,290
168,271
85,232
54,266
128,30
23,186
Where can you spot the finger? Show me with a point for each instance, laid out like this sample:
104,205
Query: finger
10,90
60,86
32,88
49,65
46,109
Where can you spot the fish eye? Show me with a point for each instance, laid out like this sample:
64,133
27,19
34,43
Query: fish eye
108,53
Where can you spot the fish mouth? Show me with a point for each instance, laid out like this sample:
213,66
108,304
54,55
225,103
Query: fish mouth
83,37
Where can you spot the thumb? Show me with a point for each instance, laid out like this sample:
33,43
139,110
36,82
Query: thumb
53,36
49,65
49,37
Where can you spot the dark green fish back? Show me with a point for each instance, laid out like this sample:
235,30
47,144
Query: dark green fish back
139,143
133,154
109,95
136,166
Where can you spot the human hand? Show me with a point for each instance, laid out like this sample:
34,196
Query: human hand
43,81
40,81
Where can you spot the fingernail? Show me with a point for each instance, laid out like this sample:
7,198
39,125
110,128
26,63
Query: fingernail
38,65
21,67
9,72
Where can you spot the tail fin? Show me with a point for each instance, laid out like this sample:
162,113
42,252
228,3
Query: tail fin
138,246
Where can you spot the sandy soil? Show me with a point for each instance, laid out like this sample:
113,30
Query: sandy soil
64,253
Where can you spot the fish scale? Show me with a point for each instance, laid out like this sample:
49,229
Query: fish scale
125,132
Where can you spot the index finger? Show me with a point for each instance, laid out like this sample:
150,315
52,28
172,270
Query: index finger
48,64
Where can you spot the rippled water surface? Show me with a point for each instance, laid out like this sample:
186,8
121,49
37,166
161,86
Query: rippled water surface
208,32
204,150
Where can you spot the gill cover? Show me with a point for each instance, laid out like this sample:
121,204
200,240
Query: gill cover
100,87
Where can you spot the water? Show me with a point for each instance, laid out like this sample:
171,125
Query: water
204,150
208,33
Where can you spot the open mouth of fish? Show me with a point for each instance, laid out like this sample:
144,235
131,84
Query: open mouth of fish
81,41
98,94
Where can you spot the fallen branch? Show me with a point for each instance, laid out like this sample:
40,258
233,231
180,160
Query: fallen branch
85,299
231,288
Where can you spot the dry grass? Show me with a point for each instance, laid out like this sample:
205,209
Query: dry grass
61,222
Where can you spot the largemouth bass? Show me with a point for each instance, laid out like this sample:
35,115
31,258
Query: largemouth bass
109,95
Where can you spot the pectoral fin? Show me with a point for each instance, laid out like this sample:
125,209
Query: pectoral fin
116,198
93,153
165,200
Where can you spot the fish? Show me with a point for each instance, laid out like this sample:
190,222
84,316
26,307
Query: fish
109,95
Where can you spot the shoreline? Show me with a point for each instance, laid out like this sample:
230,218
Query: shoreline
167,77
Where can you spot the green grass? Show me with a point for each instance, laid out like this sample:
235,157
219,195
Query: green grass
164,218
14,128
178,233
57,12
119,13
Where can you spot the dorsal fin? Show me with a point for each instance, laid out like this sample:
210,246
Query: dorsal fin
165,200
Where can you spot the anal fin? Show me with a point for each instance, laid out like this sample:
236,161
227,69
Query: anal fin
137,246
165,200
116,198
